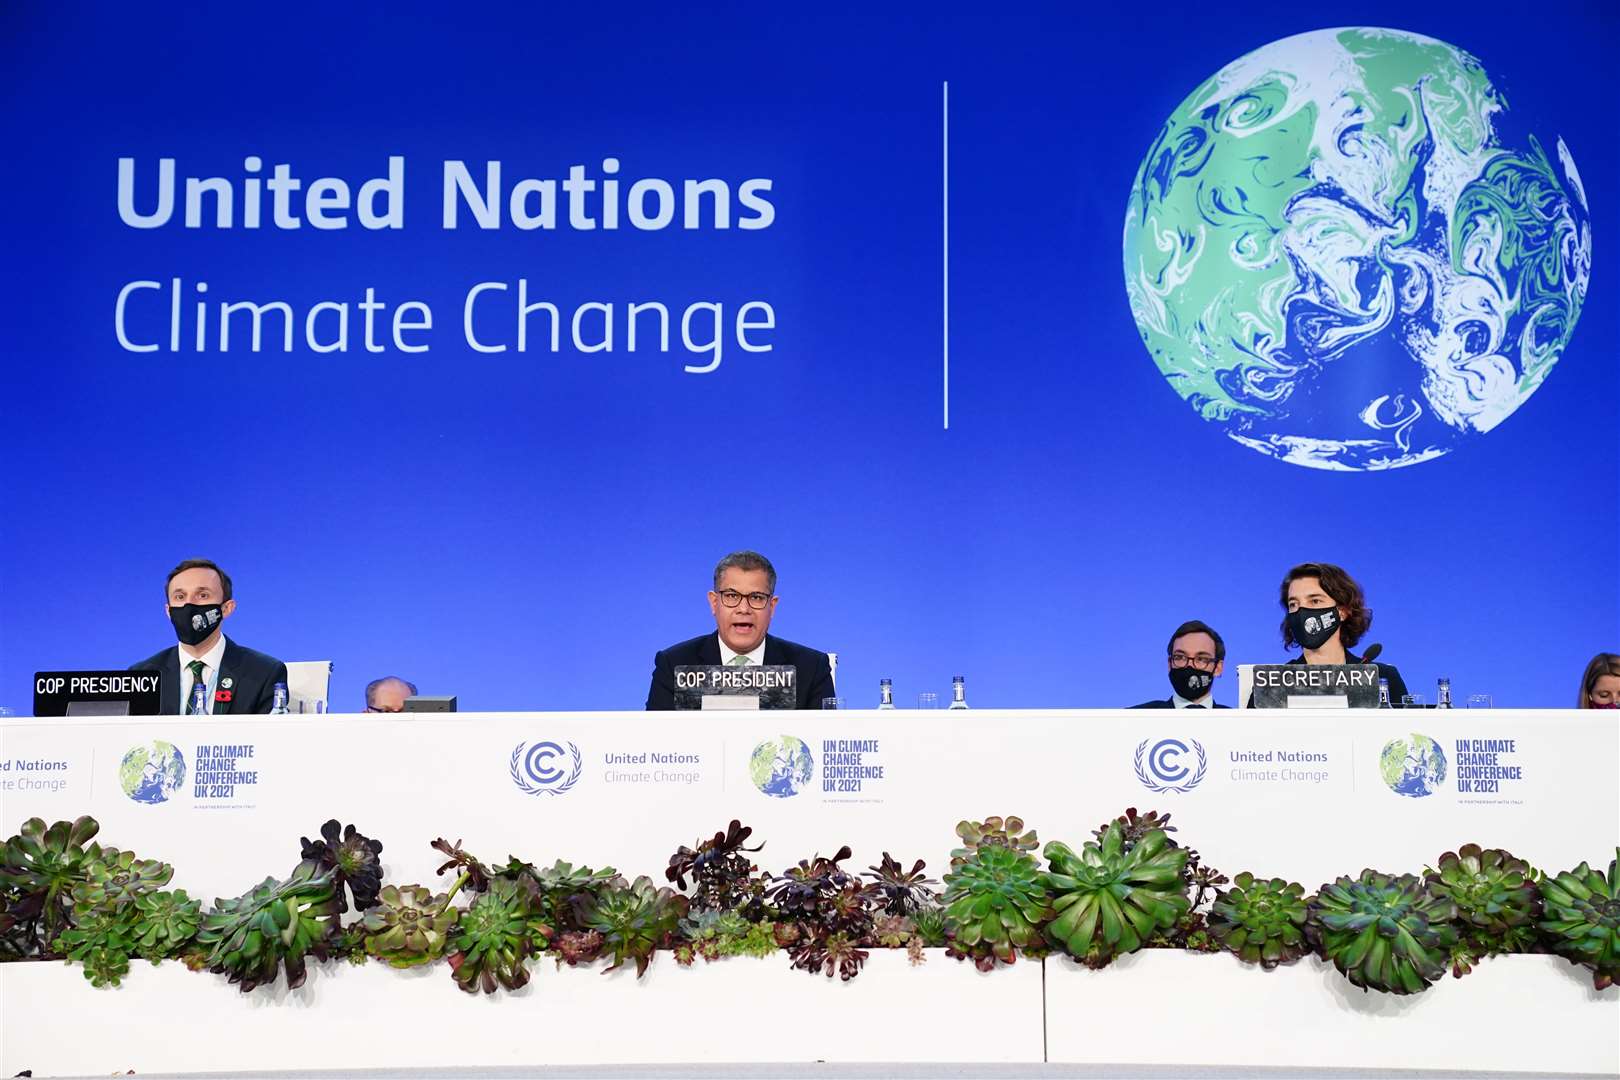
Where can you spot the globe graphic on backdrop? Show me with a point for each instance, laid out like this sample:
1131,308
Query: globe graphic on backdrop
781,767
1348,252
1414,766
152,773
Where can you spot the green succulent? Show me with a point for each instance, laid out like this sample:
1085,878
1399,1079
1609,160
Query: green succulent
1582,920
997,831
165,923
41,865
117,877
714,934
930,924
1262,921
274,925
633,921
497,935
102,941
409,925
1383,932
1497,902
1108,901
995,898
560,883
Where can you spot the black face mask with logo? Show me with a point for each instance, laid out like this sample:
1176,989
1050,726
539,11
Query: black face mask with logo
1190,683
1312,626
194,622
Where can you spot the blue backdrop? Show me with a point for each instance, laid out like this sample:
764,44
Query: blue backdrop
525,530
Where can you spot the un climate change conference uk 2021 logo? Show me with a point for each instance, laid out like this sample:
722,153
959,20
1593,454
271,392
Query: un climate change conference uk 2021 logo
151,774
1414,766
781,767
1166,766
1347,250
546,768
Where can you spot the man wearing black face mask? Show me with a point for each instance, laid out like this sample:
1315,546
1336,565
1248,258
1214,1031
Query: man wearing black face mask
1326,614
207,672
1197,658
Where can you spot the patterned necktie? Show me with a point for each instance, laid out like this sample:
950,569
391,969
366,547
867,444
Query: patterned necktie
740,661
198,702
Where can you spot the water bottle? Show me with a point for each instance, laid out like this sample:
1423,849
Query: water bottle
278,704
958,693
199,698
885,693
1442,697
1383,694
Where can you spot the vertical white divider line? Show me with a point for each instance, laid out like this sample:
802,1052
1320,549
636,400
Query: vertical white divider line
945,238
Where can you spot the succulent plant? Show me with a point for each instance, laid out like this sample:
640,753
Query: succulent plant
995,898
1383,932
1107,900
102,940
40,867
351,859
996,832
633,921
724,878
836,954
1262,921
930,926
1582,919
823,901
1134,826
714,934
474,873
574,947
165,923
497,935
274,925
559,886
902,891
1497,903
118,877
892,931
408,926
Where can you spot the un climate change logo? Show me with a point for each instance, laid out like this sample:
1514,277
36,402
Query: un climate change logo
546,768
1163,768
781,767
1414,766
150,774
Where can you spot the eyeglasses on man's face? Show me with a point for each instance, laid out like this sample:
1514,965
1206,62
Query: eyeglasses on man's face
1201,661
756,600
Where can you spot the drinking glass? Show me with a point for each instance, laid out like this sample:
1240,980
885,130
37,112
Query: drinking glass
1412,701
1480,701
928,700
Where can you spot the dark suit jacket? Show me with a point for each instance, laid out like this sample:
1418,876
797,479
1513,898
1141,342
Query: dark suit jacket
1167,703
253,677
813,682
1397,685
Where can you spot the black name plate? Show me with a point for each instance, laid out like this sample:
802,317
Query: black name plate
1274,684
771,685
97,693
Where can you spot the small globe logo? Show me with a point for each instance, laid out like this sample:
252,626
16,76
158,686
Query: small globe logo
1348,252
1414,766
150,774
781,767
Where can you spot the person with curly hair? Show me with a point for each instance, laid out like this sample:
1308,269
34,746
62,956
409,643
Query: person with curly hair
1325,613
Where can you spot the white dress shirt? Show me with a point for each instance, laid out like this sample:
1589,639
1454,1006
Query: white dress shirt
211,661
756,655
1207,701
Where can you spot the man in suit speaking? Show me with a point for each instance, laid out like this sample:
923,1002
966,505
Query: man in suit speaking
232,679
743,600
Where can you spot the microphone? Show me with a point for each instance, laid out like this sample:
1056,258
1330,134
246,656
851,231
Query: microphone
1371,654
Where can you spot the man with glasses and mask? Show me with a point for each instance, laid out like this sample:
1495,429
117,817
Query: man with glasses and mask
1197,658
743,600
